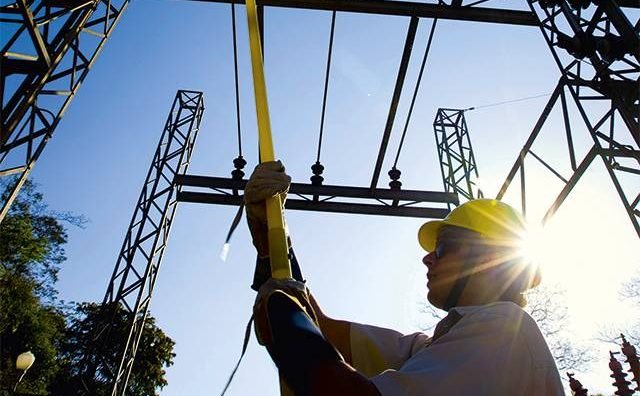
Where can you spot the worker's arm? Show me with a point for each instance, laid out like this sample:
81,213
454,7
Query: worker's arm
340,379
306,360
337,332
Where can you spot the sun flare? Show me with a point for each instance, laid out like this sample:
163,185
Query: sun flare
589,257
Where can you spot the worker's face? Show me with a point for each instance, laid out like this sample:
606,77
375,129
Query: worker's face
446,265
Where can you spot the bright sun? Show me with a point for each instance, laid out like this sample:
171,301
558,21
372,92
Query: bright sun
589,256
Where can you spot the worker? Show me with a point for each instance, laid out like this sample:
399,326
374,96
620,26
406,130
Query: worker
486,345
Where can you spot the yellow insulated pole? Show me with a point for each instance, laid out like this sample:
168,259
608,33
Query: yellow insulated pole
278,248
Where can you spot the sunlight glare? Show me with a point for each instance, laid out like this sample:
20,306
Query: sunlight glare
586,256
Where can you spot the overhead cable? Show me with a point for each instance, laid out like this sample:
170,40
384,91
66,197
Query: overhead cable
508,101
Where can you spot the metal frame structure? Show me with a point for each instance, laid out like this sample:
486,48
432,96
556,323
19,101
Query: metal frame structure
39,83
136,269
457,160
598,52
53,44
48,48
451,9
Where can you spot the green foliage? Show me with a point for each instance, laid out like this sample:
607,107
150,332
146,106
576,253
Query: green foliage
27,325
32,240
31,253
155,351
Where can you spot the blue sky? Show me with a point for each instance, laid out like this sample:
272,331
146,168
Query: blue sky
360,268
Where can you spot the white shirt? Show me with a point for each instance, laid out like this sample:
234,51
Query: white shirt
494,349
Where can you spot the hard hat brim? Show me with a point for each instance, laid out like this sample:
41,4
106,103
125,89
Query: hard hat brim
428,234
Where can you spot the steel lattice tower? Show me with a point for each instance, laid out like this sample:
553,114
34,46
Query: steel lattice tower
598,52
457,160
48,48
134,276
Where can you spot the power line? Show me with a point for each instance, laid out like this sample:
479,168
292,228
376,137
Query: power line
507,102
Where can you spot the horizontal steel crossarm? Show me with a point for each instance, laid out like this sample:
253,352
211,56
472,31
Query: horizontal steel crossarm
404,8
334,200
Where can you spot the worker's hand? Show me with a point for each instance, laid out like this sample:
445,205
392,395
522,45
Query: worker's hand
298,291
267,180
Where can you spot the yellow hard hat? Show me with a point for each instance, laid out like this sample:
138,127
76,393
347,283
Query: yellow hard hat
493,219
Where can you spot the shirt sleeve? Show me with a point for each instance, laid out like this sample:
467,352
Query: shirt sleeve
484,354
375,349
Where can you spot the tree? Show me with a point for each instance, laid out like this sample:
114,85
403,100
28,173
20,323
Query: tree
30,257
155,351
546,305
32,239
27,325
629,292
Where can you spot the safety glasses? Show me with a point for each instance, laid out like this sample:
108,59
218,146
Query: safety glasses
443,247
451,239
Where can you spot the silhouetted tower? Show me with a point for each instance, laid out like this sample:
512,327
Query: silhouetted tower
136,270
597,50
48,48
457,160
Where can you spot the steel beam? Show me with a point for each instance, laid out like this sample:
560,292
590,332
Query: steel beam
404,8
532,137
628,3
323,190
338,199
322,206
395,99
